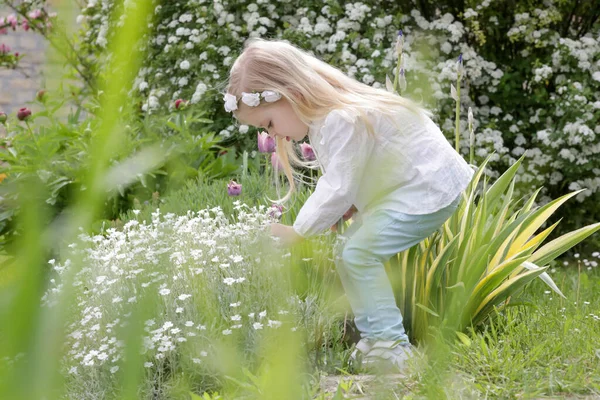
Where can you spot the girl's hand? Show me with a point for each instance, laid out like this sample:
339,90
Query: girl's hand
346,217
286,234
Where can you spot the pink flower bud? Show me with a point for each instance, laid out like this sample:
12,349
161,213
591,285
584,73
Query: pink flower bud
41,94
35,14
266,144
12,20
275,211
25,25
234,188
307,152
180,103
3,117
23,113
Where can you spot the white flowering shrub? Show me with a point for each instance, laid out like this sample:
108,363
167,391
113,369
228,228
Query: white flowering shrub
204,279
532,73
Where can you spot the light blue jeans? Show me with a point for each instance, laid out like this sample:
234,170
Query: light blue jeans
360,256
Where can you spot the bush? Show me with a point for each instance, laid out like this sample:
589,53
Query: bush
54,155
532,74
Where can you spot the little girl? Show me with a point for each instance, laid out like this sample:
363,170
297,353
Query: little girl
382,157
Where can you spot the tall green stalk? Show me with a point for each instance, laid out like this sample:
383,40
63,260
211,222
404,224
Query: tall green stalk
399,46
456,96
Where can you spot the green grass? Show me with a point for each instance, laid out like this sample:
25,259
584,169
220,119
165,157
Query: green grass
543,345
198,194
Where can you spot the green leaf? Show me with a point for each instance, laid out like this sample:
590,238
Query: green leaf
558,246
463,338
501,293
537,219
544,277
428,310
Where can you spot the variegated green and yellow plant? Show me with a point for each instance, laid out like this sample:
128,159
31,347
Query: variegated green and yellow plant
483,255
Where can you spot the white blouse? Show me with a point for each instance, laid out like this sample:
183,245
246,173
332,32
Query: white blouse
408,166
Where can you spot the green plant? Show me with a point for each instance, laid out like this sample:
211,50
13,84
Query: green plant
480,258
52,153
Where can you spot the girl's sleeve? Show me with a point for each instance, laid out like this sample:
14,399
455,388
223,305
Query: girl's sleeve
349,147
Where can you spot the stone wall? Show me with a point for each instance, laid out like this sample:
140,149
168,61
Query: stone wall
21,84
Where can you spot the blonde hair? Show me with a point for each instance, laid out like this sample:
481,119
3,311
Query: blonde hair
313,88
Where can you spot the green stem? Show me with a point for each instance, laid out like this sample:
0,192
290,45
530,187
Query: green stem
472,149
267,170
457,122
32,135
397,73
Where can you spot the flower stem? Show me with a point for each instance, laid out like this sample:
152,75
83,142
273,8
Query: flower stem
472,149
267,169
397,74
457,121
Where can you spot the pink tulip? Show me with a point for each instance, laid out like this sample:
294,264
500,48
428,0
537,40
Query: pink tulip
266,144
276,211
307,152
234,188
276,162
23,113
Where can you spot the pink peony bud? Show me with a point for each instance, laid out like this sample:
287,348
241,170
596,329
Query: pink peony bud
180,103
23,113
276,162
41,95
307,152
266,144
234,188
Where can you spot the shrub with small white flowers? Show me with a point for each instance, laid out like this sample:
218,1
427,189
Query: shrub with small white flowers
532,75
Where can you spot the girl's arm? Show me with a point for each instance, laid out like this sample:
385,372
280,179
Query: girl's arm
349,147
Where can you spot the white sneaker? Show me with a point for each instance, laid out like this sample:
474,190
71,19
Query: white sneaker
394,352
362,348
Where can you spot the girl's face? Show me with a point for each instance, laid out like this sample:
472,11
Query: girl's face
278,119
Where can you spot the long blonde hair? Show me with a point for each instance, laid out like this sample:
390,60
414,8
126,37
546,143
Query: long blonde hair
313,88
